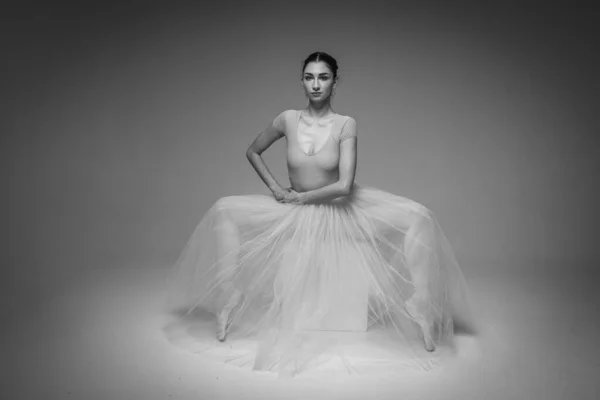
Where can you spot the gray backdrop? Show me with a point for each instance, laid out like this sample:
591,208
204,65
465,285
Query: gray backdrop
123,124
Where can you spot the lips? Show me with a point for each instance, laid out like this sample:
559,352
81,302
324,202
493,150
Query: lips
316,93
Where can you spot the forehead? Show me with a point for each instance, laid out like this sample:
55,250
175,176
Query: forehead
317,68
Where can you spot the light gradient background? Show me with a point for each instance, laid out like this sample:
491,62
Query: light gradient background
123,122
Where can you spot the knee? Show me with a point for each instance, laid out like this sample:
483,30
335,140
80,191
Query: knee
421,214
224,221
224,204
222,209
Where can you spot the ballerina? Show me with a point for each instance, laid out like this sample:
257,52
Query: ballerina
325,254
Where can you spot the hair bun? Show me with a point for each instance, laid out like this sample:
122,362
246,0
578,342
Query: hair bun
326,58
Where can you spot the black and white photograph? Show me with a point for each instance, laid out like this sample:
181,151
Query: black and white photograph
300,200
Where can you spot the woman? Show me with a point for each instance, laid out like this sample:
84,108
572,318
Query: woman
323,256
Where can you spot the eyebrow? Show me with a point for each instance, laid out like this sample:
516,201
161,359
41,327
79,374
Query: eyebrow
322,73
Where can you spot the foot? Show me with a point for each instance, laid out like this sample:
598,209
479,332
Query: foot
223,324
424,325
223,319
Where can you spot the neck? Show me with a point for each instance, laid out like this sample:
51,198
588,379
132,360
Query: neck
320,109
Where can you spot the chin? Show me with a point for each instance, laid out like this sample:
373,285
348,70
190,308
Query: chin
318,101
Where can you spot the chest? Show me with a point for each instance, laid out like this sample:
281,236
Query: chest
314,144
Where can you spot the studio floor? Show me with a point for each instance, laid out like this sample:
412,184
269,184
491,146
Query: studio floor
100,337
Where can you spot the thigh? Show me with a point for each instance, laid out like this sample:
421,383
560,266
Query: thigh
245,202
390,214
249,214
247,206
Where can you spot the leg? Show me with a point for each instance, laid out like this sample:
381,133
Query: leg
418,244
409,225
227,249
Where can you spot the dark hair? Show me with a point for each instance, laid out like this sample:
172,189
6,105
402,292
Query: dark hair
326,58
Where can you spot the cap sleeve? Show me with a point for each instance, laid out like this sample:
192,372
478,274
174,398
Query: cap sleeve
279,122
348,130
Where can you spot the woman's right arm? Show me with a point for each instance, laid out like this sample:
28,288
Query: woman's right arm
264,140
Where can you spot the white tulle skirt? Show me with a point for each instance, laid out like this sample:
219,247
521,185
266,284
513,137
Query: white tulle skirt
363,281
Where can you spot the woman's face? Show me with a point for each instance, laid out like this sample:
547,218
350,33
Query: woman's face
317,81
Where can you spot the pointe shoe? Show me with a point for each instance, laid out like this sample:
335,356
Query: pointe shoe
223,325
224,320
424,325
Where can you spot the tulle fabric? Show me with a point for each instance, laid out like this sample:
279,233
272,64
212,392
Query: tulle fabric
345,279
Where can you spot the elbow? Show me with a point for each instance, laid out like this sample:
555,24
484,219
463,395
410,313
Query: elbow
252,152
346,188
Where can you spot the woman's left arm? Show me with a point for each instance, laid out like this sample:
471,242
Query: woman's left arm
347,167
